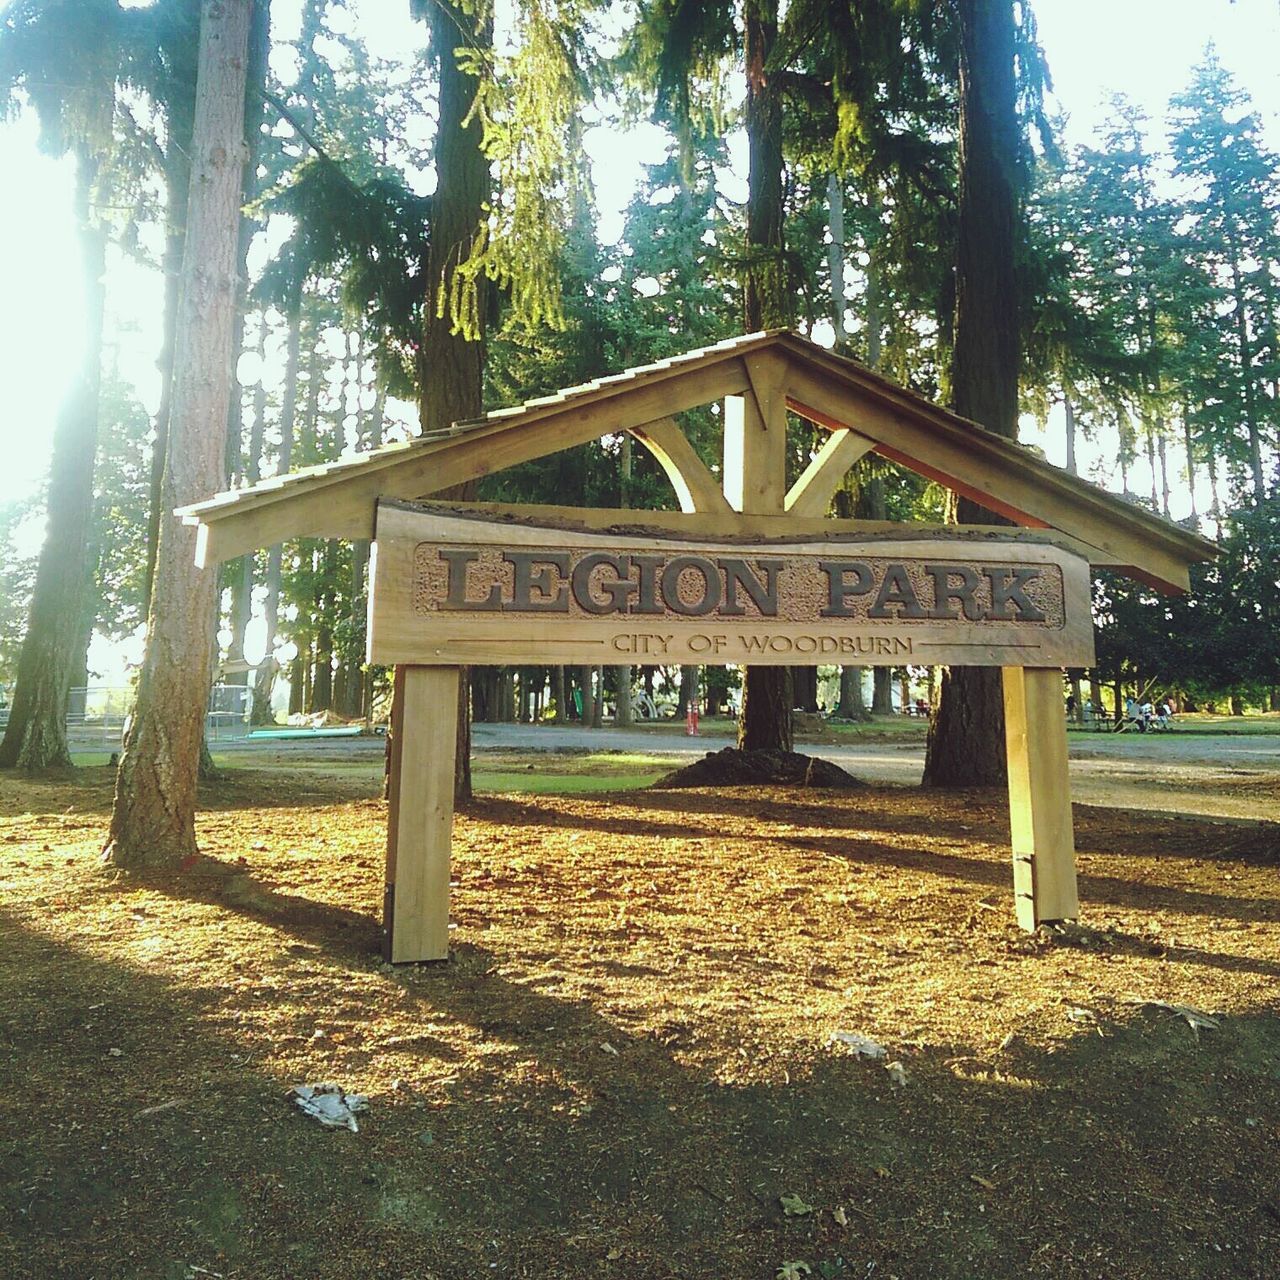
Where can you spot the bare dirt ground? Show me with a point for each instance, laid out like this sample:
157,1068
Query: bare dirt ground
626,1069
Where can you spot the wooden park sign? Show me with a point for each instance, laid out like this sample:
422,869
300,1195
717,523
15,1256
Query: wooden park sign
454,590
752,569
450,590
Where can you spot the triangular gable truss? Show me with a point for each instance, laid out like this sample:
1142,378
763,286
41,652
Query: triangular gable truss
760,377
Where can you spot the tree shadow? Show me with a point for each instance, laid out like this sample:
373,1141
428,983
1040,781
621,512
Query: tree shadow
234,886
537,1151
985,822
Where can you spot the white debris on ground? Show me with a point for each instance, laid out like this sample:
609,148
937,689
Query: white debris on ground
863,1046
330,1104
897,1074
1194,1018
866,1047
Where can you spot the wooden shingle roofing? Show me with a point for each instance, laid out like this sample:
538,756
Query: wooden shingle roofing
338,499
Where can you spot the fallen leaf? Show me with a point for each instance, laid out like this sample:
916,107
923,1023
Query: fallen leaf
794,1207
982,1182
793,1271
840,1216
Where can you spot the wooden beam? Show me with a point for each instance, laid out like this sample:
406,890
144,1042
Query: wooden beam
342,505
1044,867
812,492
732,524
755,439
424,726
991,472
695,486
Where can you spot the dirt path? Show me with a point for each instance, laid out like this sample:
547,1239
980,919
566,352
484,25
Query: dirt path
1234,777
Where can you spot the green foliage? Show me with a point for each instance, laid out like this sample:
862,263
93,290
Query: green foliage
1233,239
118,539
527,105
65,56
372,238
1222,637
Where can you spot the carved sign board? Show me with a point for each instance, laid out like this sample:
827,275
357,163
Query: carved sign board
452,589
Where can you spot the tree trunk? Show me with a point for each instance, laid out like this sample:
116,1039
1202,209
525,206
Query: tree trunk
1246,381
881,691
835,259
623,717
804,688
36,735
153,818
688,695
298,684
238,465
238,623
1191,460
1216,502
273,581
770,727
1070,409
597,706
851,706
322,689
588,697
766,691
1162,452
966,737
352,705
177,175
451,364
559,688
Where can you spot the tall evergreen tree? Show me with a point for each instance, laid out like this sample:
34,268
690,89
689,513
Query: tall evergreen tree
966,735
1234,234
64,55
153,817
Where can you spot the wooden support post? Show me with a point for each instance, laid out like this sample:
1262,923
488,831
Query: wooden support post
424,720
755,441
1044,855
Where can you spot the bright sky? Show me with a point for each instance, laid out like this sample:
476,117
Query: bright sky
1144,47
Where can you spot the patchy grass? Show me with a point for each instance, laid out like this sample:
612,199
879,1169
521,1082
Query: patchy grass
1203,724
627,1063
565,772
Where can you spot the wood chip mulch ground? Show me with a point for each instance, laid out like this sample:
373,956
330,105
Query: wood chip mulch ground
628,1069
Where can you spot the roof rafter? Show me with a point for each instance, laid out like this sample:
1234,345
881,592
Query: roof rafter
767,370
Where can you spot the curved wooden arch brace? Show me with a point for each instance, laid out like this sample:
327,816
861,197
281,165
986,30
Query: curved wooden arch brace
812,492
695,486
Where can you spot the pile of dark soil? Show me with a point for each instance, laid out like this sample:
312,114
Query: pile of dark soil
734,768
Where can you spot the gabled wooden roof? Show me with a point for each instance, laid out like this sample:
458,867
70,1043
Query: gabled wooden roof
773,372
